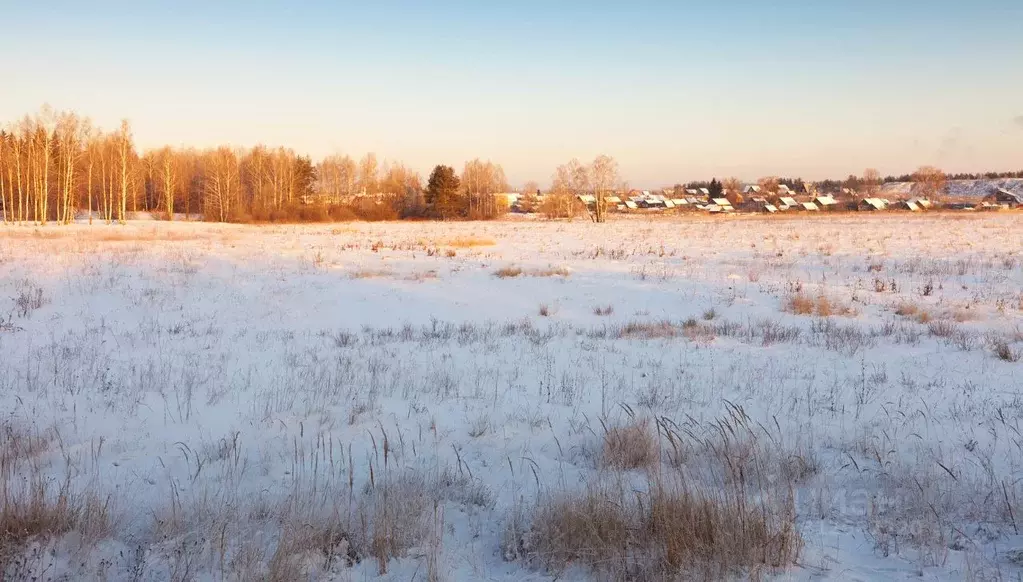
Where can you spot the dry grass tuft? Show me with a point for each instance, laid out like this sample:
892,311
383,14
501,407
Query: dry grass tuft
31,509
391,518
799,304
468,242
821,306
421,276
913,312
630,446
369,274
35,511
668,532
549,272
646,330
906,309
18,444
506,272
397,511
963,315
513,271
603,310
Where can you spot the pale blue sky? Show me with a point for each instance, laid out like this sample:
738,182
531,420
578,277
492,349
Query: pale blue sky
674,90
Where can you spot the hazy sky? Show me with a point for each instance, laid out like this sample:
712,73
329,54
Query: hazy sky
674,90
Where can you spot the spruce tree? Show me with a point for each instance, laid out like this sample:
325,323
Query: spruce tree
442,192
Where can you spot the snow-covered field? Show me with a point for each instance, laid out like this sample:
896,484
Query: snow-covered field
237,402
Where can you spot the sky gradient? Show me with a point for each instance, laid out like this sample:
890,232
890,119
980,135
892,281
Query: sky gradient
675,91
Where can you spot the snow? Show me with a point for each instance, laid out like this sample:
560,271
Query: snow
200,377
958,188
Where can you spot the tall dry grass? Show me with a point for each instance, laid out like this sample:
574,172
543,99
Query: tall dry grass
719,504
469,242
34,508
672,530
822,306
630,446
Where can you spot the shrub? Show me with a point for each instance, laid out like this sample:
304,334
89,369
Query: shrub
297,212
603,310
942,328
1003,351
561,206
29,298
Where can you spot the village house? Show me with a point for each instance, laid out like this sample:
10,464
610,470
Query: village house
724,203
827,202
871,204
786,202
752,204
1003,197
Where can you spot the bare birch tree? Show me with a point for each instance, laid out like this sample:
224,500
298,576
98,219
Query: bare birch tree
871,182
604,177
125,167
481,182
930,181
368,175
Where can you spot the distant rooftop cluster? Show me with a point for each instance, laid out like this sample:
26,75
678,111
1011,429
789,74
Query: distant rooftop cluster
804,197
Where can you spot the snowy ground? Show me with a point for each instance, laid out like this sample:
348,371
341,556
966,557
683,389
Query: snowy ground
213,386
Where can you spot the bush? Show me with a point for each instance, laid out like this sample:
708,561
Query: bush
367,210
1003,351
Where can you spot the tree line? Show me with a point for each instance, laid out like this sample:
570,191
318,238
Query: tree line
58,167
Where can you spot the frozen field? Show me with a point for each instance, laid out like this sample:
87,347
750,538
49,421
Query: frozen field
409,401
